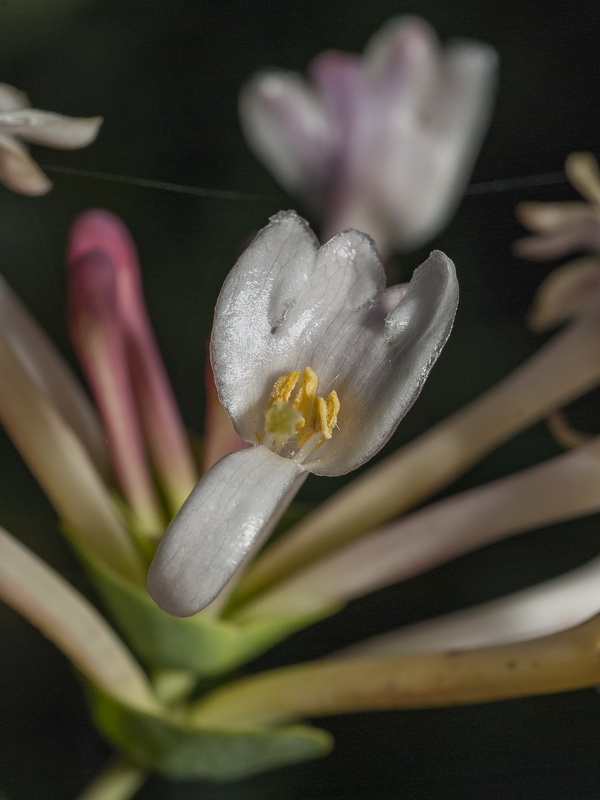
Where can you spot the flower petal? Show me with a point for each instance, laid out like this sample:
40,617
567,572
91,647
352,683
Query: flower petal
582,171
286,125
231,510
548,216
578,235
339,80
403,57
294,307
384,362
47,128
465,95
18,171
11,98
432,144
251,308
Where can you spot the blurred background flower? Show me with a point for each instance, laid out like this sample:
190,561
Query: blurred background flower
382,142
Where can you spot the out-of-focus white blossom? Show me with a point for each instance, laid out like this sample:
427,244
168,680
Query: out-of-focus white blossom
384,143
18,171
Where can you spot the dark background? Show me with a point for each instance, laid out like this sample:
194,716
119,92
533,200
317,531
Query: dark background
165,76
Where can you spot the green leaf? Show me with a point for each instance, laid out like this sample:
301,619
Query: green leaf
204,645
181,751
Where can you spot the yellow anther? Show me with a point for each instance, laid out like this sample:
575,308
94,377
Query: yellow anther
303,417
326,413
283,387
328,420
306,393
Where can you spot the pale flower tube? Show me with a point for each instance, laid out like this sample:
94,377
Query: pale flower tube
540,610
293,319
564,487
48,369
51,425
43,597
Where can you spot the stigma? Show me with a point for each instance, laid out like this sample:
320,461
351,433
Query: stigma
298,421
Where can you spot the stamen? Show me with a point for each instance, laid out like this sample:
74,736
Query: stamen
329,414
308,447
308,419
304,399
283,387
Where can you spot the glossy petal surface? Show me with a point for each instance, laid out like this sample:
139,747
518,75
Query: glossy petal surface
383,143
287,305
231,510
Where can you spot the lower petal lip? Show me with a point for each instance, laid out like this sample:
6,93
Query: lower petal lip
229,513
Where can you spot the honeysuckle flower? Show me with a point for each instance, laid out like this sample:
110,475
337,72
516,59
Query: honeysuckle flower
384,143
18,171
562,228
316,363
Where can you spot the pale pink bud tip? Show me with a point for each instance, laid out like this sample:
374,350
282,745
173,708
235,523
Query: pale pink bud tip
98,229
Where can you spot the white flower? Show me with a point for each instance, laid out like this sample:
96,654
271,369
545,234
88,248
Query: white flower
18,171
290,316
384,143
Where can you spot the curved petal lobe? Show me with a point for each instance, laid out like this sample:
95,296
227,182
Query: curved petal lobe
231,510
52,130
286,125
254,302
383,361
